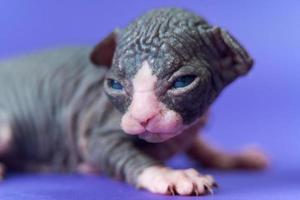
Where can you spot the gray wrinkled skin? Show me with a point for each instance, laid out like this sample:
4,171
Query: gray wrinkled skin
60,116
55,100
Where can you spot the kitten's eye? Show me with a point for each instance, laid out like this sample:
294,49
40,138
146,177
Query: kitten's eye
183,81
115,84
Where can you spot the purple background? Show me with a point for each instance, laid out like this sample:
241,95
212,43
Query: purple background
261,108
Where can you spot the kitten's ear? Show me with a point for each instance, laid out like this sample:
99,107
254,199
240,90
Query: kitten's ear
103,53
234,59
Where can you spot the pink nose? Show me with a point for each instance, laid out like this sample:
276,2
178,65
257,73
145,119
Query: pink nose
144,122
143,117
144,107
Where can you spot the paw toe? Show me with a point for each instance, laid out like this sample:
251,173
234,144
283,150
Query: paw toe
184,187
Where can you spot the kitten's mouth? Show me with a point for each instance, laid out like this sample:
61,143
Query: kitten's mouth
156,137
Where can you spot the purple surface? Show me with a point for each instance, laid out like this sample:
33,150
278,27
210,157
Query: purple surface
262,108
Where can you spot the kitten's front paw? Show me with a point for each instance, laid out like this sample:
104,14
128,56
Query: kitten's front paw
163,180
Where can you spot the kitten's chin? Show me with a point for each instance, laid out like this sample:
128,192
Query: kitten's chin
156,137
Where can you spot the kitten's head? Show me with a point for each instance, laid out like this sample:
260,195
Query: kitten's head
166,68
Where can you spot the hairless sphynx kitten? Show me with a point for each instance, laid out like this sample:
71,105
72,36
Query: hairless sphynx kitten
124,107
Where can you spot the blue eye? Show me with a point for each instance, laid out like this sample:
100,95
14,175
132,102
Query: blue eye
115,84
183,81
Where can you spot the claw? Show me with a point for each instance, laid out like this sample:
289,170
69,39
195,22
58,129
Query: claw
195,190
171,190
208,189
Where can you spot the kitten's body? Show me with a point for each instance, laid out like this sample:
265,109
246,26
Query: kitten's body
162,73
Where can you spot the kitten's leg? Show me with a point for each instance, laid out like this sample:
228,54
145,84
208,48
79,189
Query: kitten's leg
117,156
209,156
5,140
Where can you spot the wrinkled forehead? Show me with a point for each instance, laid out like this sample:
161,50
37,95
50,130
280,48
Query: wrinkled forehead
162,61
165,55
166,38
